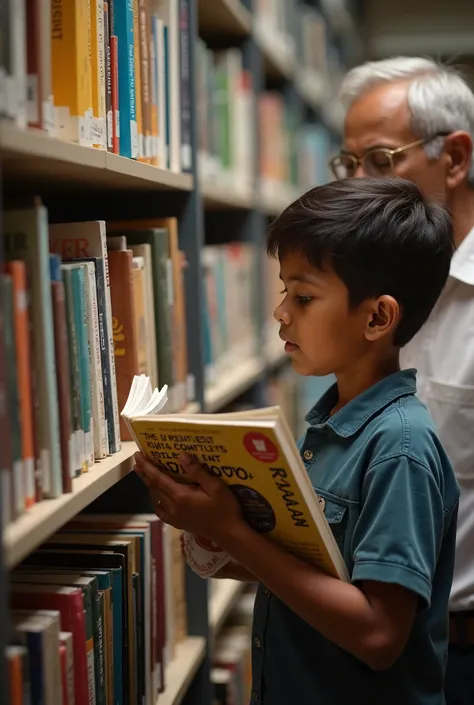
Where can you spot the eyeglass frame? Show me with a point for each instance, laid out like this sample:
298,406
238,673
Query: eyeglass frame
391,153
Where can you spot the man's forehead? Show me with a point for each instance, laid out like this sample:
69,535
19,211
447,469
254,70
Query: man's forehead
379,115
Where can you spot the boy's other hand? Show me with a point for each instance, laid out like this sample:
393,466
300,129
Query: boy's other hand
206,507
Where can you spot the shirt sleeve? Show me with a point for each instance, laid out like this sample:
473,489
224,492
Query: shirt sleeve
398,535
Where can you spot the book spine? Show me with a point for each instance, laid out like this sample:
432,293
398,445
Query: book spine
17,270
95,364
80,316
108,79
104,352
17,81
125,345
168,151
153,50
146,77
138,78
115,95
77,446
17,496
185,86
162,97
34,78
63,381
71,70
98,61
124,27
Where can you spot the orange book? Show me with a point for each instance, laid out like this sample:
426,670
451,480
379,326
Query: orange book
16,657
179,308
17,269
123,326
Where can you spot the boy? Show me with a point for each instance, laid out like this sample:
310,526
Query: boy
363,262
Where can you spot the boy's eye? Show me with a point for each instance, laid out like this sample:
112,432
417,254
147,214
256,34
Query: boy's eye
303,300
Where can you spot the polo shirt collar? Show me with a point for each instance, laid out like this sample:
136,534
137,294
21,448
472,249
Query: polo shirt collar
462,262
354,415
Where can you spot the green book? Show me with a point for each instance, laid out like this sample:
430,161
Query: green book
82,336
27,238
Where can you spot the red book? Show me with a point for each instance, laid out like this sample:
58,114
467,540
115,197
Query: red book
70,604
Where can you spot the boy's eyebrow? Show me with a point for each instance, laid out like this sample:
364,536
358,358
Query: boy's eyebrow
303,278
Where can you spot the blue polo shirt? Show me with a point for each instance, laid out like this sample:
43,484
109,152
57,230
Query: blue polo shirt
391,499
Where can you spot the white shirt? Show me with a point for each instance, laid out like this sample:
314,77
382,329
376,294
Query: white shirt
443,353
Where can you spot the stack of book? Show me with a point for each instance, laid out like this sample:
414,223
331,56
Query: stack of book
229,318
97,613
82,315
225,118
110,74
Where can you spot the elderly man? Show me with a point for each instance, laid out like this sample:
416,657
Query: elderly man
414,118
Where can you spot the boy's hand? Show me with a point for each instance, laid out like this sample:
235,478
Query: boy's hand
206,507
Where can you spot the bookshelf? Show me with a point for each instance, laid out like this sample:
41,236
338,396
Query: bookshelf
222,205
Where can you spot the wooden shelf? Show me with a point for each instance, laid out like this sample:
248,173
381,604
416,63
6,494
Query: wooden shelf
224,17
32,154
25,534
273,200
181,671
218,197
234,382
279,57
225,594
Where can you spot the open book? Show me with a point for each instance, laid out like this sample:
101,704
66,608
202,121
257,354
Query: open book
255,454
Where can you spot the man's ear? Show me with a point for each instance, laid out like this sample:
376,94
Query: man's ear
458,148
383,318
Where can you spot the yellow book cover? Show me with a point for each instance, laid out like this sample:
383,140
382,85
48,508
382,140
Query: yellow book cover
98,71
255,455
72,87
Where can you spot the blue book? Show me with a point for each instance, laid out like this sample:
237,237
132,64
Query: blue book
124,29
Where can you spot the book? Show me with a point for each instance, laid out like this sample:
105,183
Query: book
254,453
26,235
124,29
18,674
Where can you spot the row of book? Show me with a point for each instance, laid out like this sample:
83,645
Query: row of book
112,74
231,673
86,307
300,28
230,311
293,155
97,613
225,108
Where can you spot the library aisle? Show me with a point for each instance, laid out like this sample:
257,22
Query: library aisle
145,146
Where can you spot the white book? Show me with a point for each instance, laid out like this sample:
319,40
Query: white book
65,639
97,22
99,421
17,81
168,11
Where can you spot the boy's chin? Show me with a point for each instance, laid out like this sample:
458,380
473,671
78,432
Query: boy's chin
305,368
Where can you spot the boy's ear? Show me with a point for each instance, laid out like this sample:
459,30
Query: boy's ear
383,318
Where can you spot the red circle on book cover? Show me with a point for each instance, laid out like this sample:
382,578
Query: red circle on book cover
207,544
260,447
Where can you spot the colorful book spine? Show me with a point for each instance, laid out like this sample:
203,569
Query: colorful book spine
99,73
124,28
63,371
27,238
17,269
185,86
71,70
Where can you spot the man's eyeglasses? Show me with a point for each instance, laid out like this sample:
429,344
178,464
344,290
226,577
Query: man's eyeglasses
379,161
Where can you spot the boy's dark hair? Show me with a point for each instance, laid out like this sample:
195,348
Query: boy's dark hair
380,236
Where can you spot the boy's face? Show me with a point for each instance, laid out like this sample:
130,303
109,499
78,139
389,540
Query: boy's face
322,333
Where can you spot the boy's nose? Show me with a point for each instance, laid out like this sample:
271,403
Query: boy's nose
281,315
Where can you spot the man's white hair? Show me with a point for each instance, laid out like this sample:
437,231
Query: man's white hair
439,98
